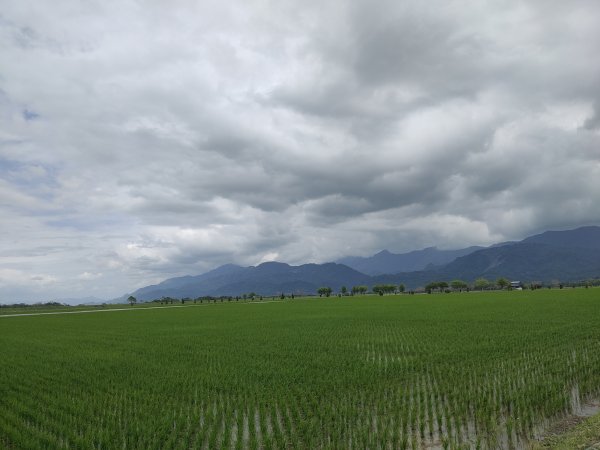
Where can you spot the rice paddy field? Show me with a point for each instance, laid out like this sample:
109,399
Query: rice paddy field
449,371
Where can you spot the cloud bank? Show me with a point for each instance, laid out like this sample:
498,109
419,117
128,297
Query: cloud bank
140,140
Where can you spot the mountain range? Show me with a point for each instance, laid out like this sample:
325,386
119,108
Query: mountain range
387,262
270,278
80,301
566,256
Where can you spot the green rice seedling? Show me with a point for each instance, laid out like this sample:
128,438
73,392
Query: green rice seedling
389,372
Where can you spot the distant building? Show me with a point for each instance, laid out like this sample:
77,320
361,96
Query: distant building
516,285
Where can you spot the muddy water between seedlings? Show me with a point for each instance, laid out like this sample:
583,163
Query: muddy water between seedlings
580,411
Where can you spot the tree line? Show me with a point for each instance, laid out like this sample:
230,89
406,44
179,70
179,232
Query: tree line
434,286
480,284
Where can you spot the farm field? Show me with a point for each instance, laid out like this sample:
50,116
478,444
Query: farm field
470,370
35,309
10,310
43,309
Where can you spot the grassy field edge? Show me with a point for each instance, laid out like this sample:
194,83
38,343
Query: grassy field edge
584,435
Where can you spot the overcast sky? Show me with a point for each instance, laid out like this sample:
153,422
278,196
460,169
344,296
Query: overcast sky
141,140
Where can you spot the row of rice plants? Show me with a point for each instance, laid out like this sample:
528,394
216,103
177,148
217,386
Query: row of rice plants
471,371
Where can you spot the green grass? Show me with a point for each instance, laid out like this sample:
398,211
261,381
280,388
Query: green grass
585,435
476,369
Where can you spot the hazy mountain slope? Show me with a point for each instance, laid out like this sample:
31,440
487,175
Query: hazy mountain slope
521,261
270,278
528,261
386,262
584,237
219,276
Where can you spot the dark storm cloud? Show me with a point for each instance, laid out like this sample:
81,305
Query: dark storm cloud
170,140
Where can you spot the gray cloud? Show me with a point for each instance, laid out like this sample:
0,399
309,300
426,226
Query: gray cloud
139,142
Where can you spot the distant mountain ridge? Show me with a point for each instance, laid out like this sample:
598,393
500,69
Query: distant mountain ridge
525,262
80,301
570,255
270,278
387,262
583,237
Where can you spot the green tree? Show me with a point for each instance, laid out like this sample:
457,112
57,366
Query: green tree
481,284
378,289
132,300
440,285
458,285
344,290
429,287
384,289
359,290
502,283
401,288
324,290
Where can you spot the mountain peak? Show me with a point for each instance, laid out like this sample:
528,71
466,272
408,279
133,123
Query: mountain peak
583,237
269,278
272,267
388,262
273,264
